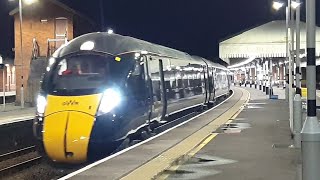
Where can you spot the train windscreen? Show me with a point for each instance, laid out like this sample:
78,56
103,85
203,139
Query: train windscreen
85,73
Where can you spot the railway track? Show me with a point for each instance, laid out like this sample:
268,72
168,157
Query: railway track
18,160
17,153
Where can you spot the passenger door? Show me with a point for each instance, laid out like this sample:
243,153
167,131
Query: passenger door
137,107
153,69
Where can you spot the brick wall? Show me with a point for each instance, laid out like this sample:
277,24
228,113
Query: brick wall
32,27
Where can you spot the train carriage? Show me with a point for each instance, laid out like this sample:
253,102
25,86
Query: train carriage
100,89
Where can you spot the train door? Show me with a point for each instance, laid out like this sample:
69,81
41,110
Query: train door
137,98
155,73
205,84
209,81
213,83
148,82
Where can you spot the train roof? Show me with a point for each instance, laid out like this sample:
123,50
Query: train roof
116,44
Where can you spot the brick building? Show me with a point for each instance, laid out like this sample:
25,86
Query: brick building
47,24
9,78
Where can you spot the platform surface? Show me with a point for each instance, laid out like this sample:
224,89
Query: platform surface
149,158
256,148
11,113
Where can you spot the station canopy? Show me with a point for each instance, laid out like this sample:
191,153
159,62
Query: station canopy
265,41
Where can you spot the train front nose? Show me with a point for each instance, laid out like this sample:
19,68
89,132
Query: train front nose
67,126
66,136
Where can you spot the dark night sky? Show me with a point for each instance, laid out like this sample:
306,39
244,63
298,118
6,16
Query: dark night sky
193,26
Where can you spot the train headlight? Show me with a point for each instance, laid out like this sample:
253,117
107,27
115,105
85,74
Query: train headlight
41,104
110,99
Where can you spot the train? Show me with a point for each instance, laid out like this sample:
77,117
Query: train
100,89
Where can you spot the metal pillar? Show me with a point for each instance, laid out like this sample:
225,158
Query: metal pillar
311,129
264,76
267,77
290,73
250,76
292,53
21,53
297,120
260,80
298,68
261,72
246,76
270,78
4,89
287,53
255,75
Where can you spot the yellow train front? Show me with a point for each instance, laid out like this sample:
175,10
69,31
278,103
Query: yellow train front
81,108
77,110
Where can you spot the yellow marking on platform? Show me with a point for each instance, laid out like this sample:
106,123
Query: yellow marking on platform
203,144
164,161
229,122
191,154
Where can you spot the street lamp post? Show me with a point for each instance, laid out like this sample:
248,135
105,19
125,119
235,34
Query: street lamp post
291,42
298,68
291,5
21,56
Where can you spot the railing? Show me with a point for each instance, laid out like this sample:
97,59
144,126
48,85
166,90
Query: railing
35,49
52,45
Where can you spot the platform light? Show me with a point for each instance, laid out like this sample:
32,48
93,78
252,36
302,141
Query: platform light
295,4
28,2
242,63
277,5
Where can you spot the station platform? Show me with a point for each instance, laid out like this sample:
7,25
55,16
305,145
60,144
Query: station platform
246,137
11,113
256,145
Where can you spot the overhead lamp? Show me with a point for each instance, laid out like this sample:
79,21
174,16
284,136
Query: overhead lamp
28,2
295,4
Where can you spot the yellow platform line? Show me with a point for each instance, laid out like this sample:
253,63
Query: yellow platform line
164,161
